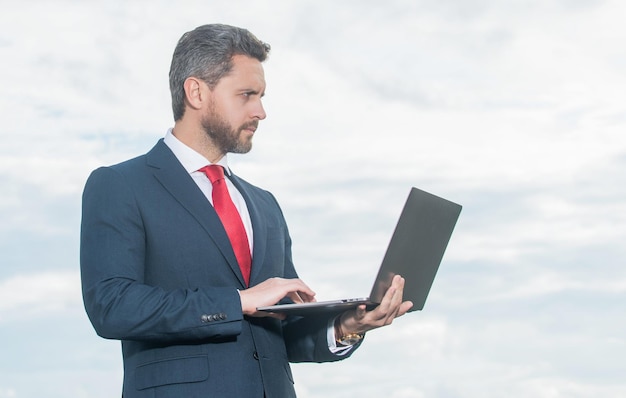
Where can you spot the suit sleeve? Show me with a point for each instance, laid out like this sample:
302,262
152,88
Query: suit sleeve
113,260
306,340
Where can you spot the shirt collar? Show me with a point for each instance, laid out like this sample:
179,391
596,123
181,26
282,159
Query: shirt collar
191,160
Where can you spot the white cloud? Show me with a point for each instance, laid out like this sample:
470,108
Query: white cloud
24,296
561,388
515,110
8,393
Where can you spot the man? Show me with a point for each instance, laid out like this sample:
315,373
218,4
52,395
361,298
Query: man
175,258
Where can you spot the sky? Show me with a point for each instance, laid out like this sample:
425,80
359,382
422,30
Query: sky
515,110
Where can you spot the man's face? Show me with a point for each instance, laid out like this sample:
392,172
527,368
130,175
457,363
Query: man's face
235,109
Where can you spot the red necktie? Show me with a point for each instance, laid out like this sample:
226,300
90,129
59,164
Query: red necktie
230,218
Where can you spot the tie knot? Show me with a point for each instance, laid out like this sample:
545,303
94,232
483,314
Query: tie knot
214,172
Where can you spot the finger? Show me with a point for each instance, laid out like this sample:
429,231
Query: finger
296,297
304,288
386,303
397,292
405,307
306,298
402,309
389,307
297,286
397,284
396,306
300,297
361,311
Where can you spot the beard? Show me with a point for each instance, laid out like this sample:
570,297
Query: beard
224,136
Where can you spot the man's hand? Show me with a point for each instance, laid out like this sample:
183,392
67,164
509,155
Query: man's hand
270,292
360,320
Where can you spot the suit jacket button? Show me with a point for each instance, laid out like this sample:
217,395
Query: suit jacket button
222,316
205,318
255,355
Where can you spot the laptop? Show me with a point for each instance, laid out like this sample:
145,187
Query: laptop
414,252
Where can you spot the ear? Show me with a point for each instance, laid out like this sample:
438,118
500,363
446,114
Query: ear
195,92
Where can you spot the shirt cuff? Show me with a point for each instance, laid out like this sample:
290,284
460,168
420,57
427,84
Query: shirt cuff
332,340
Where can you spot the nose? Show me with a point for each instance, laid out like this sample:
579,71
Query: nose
258,112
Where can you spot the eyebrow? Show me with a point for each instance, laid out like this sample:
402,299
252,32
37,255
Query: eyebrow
252,91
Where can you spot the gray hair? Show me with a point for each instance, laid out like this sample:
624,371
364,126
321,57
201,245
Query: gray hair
206,53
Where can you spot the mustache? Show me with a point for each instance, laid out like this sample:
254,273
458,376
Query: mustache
253,124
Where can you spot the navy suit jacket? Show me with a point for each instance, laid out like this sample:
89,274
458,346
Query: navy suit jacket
159,274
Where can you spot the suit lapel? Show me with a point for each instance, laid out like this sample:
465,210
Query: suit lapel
259,228
175,179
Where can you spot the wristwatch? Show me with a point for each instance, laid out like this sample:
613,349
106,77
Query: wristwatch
348,339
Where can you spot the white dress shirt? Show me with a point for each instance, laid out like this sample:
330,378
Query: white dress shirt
192,161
